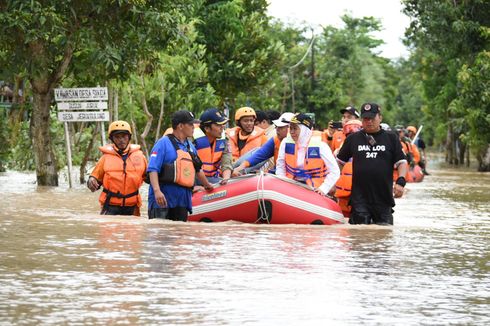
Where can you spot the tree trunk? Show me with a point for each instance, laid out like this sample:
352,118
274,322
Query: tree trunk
46,169
86,156
483,157
145,132
449,145
162,110
462,151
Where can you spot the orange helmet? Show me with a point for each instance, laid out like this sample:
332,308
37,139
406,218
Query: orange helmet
244,112
412,129
352,126
119,126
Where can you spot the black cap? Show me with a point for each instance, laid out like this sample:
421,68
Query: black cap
369,110
183,116
352,110
213,116
303,119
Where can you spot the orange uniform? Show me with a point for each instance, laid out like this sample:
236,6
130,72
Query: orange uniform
254,140
120,178
336,140
314,170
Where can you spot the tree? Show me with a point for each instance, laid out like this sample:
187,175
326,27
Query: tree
43,38
239,51
448,37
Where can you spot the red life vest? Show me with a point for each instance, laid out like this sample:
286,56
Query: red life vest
314,169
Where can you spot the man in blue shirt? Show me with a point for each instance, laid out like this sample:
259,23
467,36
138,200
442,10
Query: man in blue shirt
173,200
270,149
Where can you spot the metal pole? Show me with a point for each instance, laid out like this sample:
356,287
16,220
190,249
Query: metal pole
102,133
68,154
417,134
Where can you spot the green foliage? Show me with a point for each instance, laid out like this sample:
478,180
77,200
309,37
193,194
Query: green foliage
21,156
239,51
475,99
450,39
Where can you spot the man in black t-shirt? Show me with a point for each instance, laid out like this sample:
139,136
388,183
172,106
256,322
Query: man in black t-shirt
374,153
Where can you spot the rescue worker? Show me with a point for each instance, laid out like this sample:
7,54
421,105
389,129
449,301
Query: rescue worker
212,146
334,137
245,136
120,171
410,150
270,149
374,152
419,142
344,184
172,169
264,122
307,159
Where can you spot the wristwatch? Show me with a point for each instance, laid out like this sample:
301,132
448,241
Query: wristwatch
401,181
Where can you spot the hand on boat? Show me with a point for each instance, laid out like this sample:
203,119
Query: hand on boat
318,191
209,187
223,181
197,188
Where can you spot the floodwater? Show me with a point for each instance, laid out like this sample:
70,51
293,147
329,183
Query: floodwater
62,263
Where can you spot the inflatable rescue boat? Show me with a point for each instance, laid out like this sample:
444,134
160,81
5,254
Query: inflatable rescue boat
264,198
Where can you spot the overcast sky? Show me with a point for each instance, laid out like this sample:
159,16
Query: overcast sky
328,12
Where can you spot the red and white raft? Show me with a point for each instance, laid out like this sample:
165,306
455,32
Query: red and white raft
265,198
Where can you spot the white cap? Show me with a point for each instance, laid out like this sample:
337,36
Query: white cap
283,120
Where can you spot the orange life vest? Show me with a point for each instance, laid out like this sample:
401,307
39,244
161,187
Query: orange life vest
122,178
338,138
344,184
209,155
181,171
254,140
277,144
314,169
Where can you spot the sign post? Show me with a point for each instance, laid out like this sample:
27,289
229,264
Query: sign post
81,104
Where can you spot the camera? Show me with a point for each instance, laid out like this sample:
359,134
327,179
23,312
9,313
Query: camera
337,124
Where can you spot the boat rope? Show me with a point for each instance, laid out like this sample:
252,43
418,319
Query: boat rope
264,216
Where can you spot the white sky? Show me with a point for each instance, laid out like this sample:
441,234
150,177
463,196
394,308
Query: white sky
328,12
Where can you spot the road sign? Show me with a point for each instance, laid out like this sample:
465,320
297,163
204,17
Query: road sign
5,105
81,94
82,106
68,116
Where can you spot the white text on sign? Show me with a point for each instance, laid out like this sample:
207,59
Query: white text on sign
83,116
82,106
81,94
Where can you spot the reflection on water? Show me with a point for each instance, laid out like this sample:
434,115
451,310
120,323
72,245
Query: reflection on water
62,263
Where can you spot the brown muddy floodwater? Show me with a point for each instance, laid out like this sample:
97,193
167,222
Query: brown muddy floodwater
62,263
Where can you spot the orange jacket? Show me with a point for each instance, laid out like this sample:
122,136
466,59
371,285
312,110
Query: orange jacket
408,147
119,177
314,169
338,138
256,139
209,155
344,184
